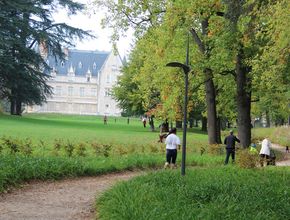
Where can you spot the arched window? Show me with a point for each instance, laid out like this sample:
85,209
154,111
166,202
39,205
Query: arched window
94,66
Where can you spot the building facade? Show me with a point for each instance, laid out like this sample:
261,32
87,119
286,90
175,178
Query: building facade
82,84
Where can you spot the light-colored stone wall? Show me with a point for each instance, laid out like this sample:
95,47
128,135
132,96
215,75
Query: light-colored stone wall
110,73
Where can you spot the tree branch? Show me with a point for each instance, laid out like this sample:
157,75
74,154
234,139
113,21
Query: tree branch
219,13
227,72
210,78
197,41
256,100
134,22
45,29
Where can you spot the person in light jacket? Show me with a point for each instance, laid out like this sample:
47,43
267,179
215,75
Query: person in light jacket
265,151
172,143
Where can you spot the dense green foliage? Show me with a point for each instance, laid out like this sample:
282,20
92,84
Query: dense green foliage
217,193
234,45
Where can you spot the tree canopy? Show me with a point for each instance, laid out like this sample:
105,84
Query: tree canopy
239,54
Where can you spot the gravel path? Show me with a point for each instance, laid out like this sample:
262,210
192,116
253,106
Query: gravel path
58,200
286,158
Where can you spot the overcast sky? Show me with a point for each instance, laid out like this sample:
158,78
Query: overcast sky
92,22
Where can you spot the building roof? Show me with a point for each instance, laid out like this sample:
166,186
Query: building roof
80,62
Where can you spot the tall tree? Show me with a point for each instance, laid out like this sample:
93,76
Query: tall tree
24,24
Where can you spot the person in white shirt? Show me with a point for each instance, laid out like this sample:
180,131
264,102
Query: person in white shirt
265,151
172,143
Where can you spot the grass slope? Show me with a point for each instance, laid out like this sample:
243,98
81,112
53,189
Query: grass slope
217,193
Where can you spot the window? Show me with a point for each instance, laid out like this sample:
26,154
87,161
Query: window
70,90
107,92
58,90
94,66
107,106
114,69
62,64
88,79
93,91
82,91
108,78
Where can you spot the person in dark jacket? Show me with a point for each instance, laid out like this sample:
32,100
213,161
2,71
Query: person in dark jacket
230,146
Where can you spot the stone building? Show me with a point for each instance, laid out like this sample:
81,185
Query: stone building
82,84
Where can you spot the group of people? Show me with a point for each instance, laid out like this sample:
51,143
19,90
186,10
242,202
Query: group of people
172,142
265,152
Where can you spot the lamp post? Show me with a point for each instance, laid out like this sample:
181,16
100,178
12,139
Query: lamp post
186,70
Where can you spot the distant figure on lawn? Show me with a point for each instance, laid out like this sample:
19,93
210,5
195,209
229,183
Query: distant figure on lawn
164,129
144,121
230,142
265,152
287,149
105,119
172,142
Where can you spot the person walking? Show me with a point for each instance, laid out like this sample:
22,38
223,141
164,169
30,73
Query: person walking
172,142
105,119
287,149
265,152
144,120
230,142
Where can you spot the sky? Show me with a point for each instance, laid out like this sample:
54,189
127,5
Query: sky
93,22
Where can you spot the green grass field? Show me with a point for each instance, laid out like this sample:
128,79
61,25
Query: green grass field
215,193
47,127
51,146
31,152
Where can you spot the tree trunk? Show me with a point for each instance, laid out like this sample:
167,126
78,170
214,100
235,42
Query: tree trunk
12,107
211,109
196,123
151,123
243,102
218,131
191,122
209,85
204,124
18,107
178,124
267,119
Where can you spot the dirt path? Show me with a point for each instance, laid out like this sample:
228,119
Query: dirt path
58,200
286,158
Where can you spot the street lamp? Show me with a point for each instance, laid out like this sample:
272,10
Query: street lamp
186,70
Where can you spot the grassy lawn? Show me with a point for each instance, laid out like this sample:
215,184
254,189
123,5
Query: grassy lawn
47,127
216,193
106,148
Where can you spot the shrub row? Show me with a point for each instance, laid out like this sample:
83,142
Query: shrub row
67,148
16,169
